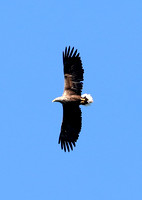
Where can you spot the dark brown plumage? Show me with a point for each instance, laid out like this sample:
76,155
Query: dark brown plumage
73,71
71,99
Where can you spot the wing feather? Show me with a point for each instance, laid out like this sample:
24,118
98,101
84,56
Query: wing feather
68,51
71,126
72,51
73,71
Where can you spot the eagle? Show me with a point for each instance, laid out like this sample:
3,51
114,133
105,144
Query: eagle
72,99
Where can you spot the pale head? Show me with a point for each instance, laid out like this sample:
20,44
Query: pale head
58,99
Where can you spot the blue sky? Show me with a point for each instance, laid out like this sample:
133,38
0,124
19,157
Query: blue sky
107,161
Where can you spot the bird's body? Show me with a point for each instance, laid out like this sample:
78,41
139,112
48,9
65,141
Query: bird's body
71,99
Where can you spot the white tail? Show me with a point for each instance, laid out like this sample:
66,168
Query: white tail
88,97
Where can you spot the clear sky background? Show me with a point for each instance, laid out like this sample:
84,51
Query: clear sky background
107,161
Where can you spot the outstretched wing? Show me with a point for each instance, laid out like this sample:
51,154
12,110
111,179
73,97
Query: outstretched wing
71,126
73,71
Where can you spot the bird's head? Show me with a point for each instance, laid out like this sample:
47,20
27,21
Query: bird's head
58,99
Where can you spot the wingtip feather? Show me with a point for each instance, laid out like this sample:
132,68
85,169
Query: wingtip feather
75,53
71,51
66,51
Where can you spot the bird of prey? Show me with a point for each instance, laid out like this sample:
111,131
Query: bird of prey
72,99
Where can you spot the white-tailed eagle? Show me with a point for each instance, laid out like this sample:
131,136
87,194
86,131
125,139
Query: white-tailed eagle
71,99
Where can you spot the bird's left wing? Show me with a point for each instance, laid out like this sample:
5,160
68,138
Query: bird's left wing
71,126
73,71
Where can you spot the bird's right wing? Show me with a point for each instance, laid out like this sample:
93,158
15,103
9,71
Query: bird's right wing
71,126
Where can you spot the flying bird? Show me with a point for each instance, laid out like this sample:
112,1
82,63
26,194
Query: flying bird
72,99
